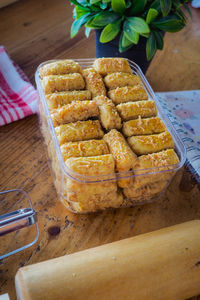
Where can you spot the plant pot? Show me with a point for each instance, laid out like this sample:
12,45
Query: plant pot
111,49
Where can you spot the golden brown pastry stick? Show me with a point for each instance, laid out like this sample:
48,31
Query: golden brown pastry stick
121,79
145,144
132,110
155,160
108,113
94,82
143,126
60,67
152,163
145,192
97,195
147,186
127,94
109,65
58,99
59,83
84,149
81,130
124,157
96,202
76,111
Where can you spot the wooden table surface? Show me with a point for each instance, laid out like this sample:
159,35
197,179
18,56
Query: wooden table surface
35,31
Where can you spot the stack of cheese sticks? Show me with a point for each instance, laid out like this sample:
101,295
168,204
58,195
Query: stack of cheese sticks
108,130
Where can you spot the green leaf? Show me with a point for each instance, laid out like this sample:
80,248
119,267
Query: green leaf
156,5
138,6
79,12
90,24
159,39
129,32
76,25
94,8
74,15
151,15
188,9
176,4
165,6
121,48
94,1
139,25
103,5
169,24
134,37
125,42
83,2
181,15
106,1
110,32
146,35
128,3
119,6
151,47
75,3
87,32
104,18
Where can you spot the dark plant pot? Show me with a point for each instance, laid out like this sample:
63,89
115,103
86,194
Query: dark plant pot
111,49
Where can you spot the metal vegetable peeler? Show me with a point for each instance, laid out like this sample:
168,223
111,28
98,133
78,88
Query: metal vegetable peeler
18,219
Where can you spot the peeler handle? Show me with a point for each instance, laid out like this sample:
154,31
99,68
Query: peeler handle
17,220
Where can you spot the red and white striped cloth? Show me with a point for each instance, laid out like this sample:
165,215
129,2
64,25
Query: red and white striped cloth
18,98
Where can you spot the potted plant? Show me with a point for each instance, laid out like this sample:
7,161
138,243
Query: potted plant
130,28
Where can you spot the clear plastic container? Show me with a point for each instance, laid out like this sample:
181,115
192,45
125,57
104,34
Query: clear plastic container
154,180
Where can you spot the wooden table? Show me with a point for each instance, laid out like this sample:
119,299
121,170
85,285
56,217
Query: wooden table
35,31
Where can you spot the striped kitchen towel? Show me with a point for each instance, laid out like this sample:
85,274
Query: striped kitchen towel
183,109
18,98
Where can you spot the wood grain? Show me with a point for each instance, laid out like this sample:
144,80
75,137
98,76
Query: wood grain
35,31
6,2
177,66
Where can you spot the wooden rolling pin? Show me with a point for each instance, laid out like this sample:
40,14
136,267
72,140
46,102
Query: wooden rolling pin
163,264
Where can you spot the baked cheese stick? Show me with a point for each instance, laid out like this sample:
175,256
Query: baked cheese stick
84,149
132,110
145,144
97,195
92,167
76,111
121,79
58,99
164,160
127,93
109,65
81,130
108,113
59,83
145,192
95,202
94,82
60,67
124,157
143,126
